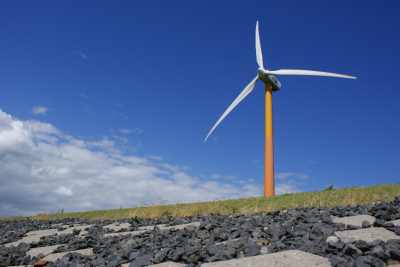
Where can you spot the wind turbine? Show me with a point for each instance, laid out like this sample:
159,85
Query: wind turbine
271,85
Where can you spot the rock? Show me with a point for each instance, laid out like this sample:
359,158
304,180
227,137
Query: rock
253,250
309,229
141,261
218,256
378,262
362,245
379,223
365,224
352,227
364,261
395,255
335,260
40,263
333,239
350,250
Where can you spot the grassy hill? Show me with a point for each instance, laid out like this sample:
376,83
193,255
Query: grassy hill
329,197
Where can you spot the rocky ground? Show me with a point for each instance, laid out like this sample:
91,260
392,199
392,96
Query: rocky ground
310,229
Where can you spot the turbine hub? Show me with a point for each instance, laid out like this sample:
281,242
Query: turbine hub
264,77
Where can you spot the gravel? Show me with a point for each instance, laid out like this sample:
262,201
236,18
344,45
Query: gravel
306,229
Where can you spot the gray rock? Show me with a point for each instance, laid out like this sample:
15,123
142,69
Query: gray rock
299,228
141,261
395,255
364,261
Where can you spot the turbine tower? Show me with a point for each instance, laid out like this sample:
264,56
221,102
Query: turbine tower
271,85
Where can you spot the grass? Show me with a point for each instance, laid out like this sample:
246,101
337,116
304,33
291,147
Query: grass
329,197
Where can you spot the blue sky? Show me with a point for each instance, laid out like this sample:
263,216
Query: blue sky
107,104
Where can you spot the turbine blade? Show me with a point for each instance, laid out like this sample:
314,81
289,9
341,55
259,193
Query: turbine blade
307,72
242,95
258,49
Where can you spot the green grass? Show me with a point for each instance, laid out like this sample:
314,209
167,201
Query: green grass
329,197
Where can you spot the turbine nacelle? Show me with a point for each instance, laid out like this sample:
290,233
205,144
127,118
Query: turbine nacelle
264,77
267,76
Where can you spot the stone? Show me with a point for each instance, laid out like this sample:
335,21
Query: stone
364,261
395,255
40,263
333,239
378,262
352,227
192,240
335,260
365,224
253,250
362,245
219,256
379,223
141,261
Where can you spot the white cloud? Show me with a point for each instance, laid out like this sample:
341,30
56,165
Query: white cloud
182,178
83,56
154,157
302,176
251,180
215,139
312,162
84,96
42,170
174,168
217,176
87,108
127,131
62,190
39,110
122,140
283,175
286,174
288,187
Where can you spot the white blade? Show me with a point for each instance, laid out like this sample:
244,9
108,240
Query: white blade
258,49
242,95
307,72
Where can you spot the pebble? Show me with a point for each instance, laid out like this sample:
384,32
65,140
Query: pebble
308,229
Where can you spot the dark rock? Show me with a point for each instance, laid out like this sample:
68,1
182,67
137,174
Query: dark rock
362,245
253,250
351,249
395,255
389,224
365,224
376,242
133,255
385,216
378,262
379,223
300,228
141,261
353,227
364,261
218,256
177,255
393,209
335,260
275,230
